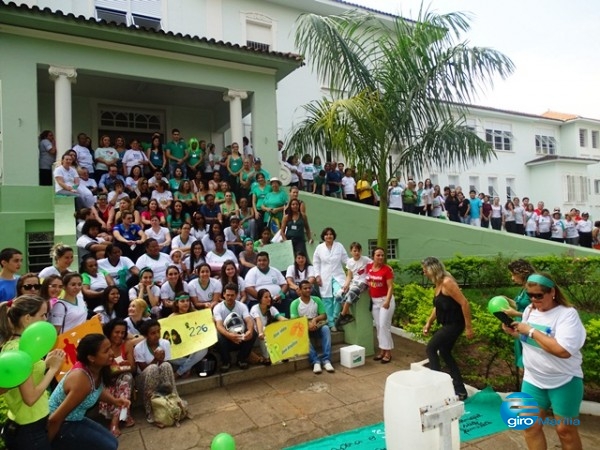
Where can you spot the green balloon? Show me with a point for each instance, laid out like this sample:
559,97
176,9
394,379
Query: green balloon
498,304
223,441
15,367
38,339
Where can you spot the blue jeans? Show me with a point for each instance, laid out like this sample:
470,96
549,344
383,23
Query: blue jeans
325,335
185,363
84,434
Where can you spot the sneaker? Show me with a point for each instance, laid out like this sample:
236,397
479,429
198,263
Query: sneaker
317,368
225,367
333,329
149,418
243,365
328,367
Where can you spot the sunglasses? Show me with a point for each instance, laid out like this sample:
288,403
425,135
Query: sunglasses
27,287
537,296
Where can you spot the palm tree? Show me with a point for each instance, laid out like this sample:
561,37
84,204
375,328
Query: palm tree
399,92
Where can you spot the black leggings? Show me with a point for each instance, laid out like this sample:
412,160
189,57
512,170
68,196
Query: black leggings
443,341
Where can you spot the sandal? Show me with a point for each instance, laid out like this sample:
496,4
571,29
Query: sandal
129,422
379,357
386,358
115,431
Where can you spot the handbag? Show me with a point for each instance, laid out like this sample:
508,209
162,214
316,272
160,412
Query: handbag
168,409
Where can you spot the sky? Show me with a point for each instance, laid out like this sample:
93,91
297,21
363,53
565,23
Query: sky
554,44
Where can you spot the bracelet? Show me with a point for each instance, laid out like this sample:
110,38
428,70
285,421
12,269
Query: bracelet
530,334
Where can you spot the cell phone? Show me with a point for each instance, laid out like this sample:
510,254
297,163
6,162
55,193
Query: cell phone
504,318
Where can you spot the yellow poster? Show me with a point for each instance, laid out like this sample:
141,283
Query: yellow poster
69,341
287,339
189,332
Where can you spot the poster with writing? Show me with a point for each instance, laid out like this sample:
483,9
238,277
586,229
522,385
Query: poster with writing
281,255
287,339
189,332
69,340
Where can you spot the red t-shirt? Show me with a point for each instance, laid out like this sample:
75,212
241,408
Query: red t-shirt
377,280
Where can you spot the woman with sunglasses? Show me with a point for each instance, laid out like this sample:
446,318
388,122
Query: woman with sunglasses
451,310
28,284
552,336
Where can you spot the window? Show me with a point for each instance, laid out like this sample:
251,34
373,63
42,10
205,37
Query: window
545,145
583,137
492,186
138,13
596,186
453,181
473,185
510,193
594,139
113,118
576,188
392,248
500,140
259,32
38,250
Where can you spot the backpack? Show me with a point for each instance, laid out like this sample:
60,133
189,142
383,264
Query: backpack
168,409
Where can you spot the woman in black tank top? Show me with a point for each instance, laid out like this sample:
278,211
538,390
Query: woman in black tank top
451,309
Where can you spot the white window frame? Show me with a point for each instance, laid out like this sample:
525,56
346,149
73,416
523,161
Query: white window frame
595,136
392,248
545,144
500,139
147,12
260,19
473,184
575,188
583,137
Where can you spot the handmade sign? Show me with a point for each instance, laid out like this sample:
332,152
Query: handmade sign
69,341
287,339
189,333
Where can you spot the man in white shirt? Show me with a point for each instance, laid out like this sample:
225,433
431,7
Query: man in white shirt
264,277
155,260
235,328
84,157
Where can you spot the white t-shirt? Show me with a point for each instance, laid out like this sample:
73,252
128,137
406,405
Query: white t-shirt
84,157
50,270
160,235
111,195
497,211
178,243
584,226
519,212
221,311
272,280
307,171
107,153
205,295
75,314
68,176
198,233
113,271
135,293
167,292
532,219
257,315
158,265
133,158
349,185
231,236
544,224
141,352
395,197
558,229
162,198
309,271
215,260
570,228
542,369
358,268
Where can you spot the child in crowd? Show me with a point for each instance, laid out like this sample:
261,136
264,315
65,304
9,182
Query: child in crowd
356,283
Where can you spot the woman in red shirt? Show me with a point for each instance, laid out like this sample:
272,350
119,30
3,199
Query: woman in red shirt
380,278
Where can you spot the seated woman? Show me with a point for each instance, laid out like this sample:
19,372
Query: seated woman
230,274
94,281
205,292
62,255
297,272
133,180
137,314
229,207
183,366
66,182
126,204
184,240
163,196
185,195
90,241
247,257
78,391
121,374
208,241
147,291
129,237
196,257
151,356
199,228
247,221
170,287
69,311
264,314
217,257
106,309
102,211
160,233
177,218
141,195
153,210
28,284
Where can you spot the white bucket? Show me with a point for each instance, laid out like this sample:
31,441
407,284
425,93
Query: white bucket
406,392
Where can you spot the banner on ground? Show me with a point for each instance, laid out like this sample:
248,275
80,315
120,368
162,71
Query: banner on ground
287,338
189,333
69,340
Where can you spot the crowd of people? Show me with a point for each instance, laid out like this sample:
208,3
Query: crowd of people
172,230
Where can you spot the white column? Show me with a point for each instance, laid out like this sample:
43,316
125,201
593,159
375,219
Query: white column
63,123
235,97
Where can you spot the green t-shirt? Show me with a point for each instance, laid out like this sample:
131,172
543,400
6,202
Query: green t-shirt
195,156
260,194
18,411
312,309
177,149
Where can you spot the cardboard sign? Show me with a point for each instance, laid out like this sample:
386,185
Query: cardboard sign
69,340
281,255
287,339
189,333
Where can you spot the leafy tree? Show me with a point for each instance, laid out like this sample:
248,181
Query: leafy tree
399,93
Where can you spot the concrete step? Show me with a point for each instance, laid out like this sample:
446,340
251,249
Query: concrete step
236,375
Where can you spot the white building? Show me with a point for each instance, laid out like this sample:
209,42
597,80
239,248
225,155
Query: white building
551,157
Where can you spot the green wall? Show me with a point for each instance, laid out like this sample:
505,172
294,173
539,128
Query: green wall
419,237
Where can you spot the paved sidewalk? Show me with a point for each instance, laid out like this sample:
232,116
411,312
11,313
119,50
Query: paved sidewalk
292,408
